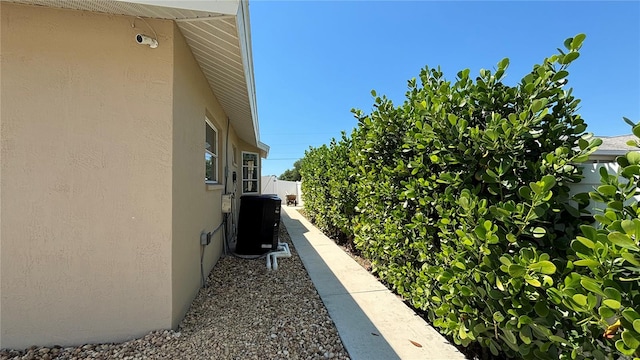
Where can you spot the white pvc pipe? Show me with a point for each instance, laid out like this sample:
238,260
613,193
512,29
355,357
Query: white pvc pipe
272,257
275,258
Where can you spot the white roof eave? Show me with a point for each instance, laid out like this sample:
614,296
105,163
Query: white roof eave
226,7
244,33
264,149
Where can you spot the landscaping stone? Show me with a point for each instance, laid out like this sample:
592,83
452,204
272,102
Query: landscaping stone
246,312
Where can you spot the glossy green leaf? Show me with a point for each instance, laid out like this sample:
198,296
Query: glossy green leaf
623,241
612,293
620,346
591,285
631,339
558,339
504,63
462,333
554,295
586,262
631,170
493,348
598,355
631,315
568,58
539,232
567,43
559,76
628,226
495,294
576,42
509,336
580,299
516,270
541,309
608,190
525,192
537,105
544,267
633,157
631,258
580,248
611,303
505,260
533,282
606,312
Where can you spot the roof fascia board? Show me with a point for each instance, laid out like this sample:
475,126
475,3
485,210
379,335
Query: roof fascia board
227,7
612,152
204,19
244,34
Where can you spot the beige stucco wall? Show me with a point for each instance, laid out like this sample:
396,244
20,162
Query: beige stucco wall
195,208
196,205
86,188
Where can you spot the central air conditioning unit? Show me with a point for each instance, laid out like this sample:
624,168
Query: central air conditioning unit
258,224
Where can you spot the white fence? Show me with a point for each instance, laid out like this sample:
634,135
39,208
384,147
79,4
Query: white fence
282,188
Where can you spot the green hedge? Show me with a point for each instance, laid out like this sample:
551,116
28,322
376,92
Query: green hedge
604,288
460,199
328,191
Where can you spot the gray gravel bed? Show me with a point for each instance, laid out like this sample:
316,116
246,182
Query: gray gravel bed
246,312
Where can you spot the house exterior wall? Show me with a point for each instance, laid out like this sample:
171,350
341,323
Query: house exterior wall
591,173
85,180
197,206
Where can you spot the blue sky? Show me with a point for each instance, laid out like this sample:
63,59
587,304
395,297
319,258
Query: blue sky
316,60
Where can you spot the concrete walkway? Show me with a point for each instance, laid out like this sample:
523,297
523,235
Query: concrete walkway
373,323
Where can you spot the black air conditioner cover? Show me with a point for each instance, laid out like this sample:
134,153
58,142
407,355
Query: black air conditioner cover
258,224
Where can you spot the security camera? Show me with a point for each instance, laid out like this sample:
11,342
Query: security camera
146,40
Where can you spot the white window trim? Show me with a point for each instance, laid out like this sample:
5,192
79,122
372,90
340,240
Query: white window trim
215,155
257,166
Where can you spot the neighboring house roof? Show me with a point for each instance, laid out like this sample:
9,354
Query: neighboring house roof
219,36
615,146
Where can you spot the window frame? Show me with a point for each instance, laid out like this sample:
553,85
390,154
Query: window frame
214,155
257,169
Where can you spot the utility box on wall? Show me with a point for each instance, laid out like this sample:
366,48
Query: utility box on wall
226,203
258,224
